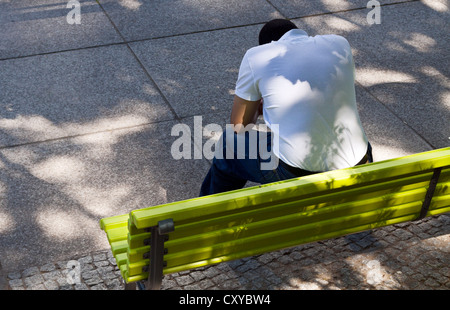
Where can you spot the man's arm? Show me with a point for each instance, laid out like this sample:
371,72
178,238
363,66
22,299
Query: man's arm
244,112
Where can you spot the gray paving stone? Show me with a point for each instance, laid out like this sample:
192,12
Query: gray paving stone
30,272
101,264
66,287
390,138
200,77
81,287
211,272
52,275
99,257
206,284
40,26
301,8
184,280
33,280
74,93
89,274
99,287
94,281
197,275
14,275
85,260
16,283
424,106
168,283
38,287
148,19
47,267
51,285
114,284
68,185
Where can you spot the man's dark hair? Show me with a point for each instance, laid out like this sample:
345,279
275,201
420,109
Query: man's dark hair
274,30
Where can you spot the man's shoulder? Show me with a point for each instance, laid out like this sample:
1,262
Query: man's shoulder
264,52
333,38
263,48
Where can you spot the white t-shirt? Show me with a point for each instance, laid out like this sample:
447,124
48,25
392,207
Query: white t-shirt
307,84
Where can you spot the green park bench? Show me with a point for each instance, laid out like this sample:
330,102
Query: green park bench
151,242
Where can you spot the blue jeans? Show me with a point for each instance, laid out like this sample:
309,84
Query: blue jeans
229,173
232,172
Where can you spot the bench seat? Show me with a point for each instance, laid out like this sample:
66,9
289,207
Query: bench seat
252,221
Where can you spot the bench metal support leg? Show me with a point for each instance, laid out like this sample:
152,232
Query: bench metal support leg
157,251
429,195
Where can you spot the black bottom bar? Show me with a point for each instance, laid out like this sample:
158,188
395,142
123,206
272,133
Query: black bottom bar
429,195
158,237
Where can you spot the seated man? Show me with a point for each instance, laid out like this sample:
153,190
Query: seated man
306,88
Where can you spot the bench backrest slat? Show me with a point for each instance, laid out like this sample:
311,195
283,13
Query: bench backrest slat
298,189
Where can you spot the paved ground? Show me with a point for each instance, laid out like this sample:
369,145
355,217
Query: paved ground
399,257
87,110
